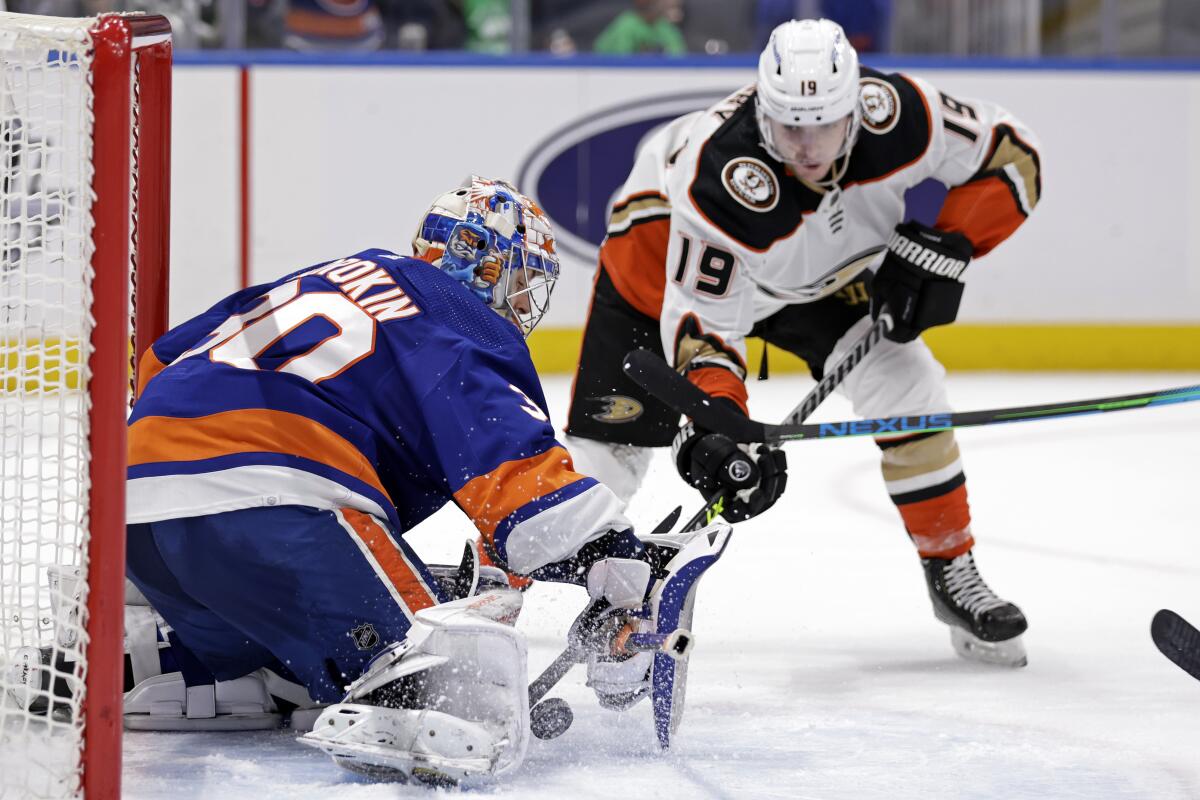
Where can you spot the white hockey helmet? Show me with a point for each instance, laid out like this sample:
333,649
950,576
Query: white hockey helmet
496,242
807,76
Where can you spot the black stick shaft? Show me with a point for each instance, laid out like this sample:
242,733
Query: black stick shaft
970,419
653,374
554,673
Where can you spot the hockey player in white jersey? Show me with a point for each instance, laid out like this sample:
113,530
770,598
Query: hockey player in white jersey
780,213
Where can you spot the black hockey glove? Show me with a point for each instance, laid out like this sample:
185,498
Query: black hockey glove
920,279
712,462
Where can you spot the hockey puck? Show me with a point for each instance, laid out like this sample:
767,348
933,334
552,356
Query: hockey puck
551,718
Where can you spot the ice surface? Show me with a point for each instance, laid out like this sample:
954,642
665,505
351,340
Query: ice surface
819,669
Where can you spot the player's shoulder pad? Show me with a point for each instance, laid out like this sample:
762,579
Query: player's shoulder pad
739,189
896,127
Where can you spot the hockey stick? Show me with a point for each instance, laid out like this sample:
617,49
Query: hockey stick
560,666
1178,640
801,412
655,376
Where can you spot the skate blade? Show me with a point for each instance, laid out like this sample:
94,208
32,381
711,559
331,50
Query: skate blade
389,764
1009,653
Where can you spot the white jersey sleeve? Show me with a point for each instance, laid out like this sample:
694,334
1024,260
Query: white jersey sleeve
989,160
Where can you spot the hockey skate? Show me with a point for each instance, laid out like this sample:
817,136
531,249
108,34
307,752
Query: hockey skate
983,627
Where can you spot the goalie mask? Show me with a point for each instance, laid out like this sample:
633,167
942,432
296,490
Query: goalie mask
807,96
498,243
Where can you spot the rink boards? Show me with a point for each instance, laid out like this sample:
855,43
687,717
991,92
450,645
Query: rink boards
333,156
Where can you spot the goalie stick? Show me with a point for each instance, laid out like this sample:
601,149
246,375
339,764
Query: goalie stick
657,377
1178,640
806,407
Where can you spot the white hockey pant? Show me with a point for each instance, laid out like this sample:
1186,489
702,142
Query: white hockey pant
894,379
620,467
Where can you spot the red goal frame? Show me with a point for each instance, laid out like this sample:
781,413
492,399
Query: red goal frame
131,78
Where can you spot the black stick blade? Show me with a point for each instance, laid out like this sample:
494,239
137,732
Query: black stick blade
668,521
1178,640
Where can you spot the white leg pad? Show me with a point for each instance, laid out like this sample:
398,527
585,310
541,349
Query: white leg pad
142,642
304,716
27,677
620,467
164,703
65,602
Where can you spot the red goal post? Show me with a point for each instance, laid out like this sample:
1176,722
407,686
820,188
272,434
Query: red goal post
84,240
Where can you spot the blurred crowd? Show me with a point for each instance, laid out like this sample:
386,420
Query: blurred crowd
667,27
563,27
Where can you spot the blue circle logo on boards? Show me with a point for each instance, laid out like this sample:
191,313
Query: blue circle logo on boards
576,171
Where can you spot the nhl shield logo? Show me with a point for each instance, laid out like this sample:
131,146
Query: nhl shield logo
364,636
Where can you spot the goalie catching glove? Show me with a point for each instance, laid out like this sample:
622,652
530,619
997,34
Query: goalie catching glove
754,476
920,279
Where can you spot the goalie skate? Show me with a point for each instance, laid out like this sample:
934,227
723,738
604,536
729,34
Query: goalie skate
983,627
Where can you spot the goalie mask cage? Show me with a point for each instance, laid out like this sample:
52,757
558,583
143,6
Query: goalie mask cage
84,215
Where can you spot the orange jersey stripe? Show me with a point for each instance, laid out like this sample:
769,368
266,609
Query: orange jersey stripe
490,498
390,559
251,430
636,262
983,210
720,382
148,367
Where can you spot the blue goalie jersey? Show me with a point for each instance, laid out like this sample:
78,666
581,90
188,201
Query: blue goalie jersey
374,382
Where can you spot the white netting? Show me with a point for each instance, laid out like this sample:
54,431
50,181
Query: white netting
45,326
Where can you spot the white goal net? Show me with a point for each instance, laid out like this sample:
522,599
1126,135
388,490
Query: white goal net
45,294
51,188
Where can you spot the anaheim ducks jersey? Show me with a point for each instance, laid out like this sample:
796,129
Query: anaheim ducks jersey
710,234
374,382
